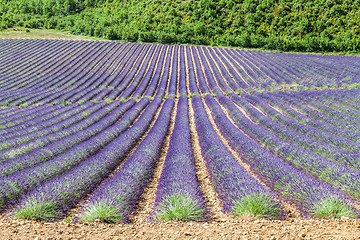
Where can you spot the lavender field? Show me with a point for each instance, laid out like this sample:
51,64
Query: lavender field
87,126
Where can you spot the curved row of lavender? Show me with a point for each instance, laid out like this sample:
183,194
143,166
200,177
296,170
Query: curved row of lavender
45,121
52,198
330,149
13,185
117,197
59,142
281,170
236,188
51,71
30,140
337,171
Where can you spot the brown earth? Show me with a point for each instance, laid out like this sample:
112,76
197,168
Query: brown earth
226,228
20,32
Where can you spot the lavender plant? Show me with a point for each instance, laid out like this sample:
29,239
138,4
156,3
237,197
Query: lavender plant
116,198
233,184
178,195
51,199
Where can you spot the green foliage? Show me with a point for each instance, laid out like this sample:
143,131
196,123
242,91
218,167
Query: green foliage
63,101
103,211
178,207
23,105
257,205
70,219
334,208
297,25
37,211
6,104
108,100
149,97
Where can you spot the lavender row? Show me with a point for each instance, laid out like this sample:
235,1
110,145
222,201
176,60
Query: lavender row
247,72
339,109
213,85
52,49
88,59
117,197
52,198
286,178
60,76
113,78
172,89
335,105
194,89
200,77
182,72
240,74
18,183
255,71
223,73
344,99
233,184
130,70
27,112
17,56
302,129
313,71
94,79
143,77
64,144
342,177
72,57
37,121
92,71
26,80
314,114
273,72
323,146
13,112
60,129
289,112
80,72
178,195
163,81
155,78
279,70
11,47
33,114
8,111
85,70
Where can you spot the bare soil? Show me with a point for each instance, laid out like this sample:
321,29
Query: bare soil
20,32
225,228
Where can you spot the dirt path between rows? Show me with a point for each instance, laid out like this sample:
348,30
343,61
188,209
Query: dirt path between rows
227,228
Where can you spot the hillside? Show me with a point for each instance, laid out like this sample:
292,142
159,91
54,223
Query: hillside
298,25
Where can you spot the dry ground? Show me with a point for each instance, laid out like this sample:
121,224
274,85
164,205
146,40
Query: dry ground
19,32
226,228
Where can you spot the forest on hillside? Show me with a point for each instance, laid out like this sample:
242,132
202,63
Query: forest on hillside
286,25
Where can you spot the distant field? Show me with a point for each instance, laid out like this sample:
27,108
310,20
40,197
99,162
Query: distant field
39,33
116,131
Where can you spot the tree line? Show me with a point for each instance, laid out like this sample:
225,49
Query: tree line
286,25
